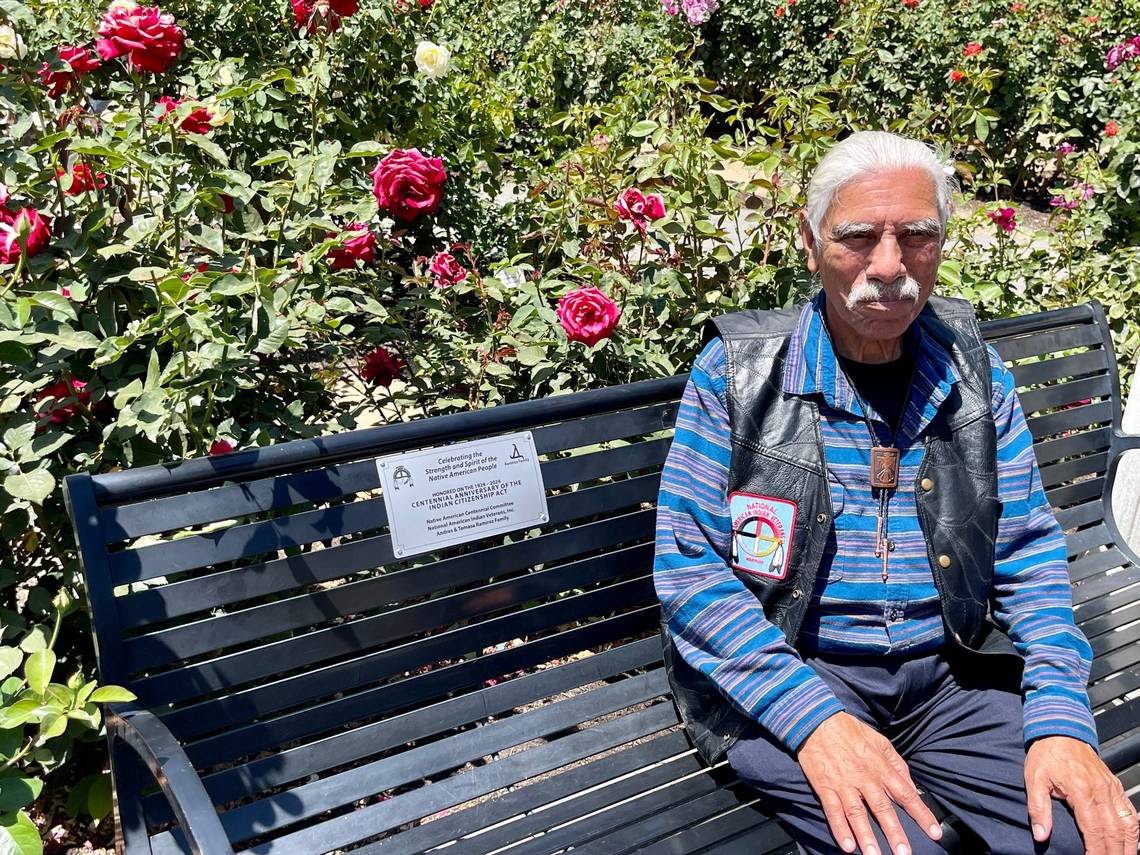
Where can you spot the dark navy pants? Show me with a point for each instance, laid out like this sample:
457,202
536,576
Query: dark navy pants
959,733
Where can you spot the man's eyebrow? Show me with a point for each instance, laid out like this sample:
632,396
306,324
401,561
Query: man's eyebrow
847,229
928,226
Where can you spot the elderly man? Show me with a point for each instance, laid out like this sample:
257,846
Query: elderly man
864,589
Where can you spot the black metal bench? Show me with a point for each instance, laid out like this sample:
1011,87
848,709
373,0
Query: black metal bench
508,694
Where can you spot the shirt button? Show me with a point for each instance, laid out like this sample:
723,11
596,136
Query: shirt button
927,484
943,560
890,546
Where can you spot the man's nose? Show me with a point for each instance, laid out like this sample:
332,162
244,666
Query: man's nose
886,262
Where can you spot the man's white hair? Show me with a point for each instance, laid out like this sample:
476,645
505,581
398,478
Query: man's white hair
872,151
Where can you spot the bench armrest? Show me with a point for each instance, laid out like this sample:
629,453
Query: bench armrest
1126,441
152,741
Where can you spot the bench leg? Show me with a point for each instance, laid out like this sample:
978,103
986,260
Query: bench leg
127,774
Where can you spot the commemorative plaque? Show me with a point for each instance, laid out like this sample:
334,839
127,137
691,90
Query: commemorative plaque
454,494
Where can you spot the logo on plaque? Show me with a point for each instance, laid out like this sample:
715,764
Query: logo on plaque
515,454
401,477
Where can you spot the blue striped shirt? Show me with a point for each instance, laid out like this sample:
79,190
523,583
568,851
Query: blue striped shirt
719,626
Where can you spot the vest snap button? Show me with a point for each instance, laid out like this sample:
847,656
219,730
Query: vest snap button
943,560
927,484
890,546
821,519
796,594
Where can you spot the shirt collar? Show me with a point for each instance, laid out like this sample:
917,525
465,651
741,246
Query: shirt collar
812,367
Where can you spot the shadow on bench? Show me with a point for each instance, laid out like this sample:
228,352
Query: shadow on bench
505,694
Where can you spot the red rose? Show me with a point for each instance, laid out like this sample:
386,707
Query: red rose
11,225
639,209
446,270
1004,218
956,75
149,39
197,122
79,60
362,247
1111,129
311,14
227,203
910,4
407,184
972,49
381,367
588,315
82,180
221,446
68,398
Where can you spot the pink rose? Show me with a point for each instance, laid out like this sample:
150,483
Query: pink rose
446,270
68,398
407,184
588,315
221,446
361,247
198,120
381,367
149,39
10,227
1004,218
632,205
80,61
82,180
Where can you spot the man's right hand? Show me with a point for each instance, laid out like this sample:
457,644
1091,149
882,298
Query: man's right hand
853,767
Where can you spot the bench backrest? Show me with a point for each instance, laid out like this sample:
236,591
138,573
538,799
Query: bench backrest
254,602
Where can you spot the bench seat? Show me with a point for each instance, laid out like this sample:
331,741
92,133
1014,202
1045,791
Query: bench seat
303,690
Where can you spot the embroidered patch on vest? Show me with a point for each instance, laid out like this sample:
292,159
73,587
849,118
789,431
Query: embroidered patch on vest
762,528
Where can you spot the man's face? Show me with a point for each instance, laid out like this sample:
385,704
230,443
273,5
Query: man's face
878,255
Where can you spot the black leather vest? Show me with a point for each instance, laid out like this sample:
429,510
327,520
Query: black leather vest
777,451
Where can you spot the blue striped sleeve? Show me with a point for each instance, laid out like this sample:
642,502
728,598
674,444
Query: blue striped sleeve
717,624
1033,599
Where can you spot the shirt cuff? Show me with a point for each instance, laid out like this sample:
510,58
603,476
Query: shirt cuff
1058,714
795,715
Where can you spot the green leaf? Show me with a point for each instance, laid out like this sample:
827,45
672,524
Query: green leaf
34,486
75,340
10,660
531,354
19,835
110,694
18,791
368,148
643,128
99,797
208,146
208,237
38,669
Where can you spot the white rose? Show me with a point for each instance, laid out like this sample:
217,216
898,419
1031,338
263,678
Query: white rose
432,59
11,45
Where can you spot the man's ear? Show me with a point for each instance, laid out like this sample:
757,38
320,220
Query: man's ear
809,242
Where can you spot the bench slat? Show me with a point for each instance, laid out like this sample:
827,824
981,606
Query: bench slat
1062,394
375,777
1050,370
246,739
231,501
1106,623
230,671
1049,341
1059,473
253,539
747,831
348,828
283,574
1095,563
422,720
1073,418
1083,514
642,758
1049,450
